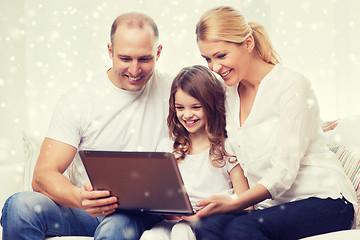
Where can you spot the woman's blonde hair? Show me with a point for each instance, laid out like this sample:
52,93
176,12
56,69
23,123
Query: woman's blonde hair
228,24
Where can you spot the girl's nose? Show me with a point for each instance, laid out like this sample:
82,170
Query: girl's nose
188,114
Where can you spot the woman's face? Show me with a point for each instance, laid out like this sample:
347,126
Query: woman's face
229,60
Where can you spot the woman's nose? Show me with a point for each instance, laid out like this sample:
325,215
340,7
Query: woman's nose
216,67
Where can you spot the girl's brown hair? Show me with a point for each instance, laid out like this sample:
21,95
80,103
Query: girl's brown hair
200,83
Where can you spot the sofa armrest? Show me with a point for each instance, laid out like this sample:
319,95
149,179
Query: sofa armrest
11,180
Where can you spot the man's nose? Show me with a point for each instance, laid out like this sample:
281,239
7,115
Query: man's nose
135,69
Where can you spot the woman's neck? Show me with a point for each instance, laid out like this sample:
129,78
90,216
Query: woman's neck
256,73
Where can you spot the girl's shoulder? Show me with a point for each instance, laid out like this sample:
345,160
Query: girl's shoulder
228,147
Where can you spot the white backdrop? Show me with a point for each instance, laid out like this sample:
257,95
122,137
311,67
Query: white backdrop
49,46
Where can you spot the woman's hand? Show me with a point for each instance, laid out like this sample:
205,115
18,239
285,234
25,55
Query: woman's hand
171,217
97,203
214,205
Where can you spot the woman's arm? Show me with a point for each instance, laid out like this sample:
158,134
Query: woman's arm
244,198
221,204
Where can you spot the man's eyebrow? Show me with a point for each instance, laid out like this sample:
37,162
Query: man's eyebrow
146,56
123,56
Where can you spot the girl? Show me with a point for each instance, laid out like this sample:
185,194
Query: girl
196,124
274,128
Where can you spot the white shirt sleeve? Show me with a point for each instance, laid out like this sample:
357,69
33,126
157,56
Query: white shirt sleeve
298,110
230,165
67,120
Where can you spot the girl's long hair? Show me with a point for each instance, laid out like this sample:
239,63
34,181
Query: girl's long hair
200,83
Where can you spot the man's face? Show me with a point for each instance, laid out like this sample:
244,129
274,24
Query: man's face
133,53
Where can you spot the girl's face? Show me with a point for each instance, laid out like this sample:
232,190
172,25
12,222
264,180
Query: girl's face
229,60
190,112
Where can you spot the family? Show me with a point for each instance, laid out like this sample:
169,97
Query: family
250,147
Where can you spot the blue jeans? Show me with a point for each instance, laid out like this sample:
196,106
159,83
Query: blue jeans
288,221
32,215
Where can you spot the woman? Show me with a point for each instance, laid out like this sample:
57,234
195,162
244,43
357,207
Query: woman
297,185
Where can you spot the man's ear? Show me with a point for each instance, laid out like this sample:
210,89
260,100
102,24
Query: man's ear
158,52
110,50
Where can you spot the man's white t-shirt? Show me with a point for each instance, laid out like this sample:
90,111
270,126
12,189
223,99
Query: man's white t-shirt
99,116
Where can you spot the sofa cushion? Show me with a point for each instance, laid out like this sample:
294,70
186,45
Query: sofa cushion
340,235
350,160
346,133
32,144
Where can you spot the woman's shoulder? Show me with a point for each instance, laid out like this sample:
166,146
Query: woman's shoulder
287,74
287,78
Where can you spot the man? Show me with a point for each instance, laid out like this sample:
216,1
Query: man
125,109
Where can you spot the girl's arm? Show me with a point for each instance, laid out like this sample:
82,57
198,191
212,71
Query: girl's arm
239,181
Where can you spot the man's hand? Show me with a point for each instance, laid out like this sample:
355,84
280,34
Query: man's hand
97,203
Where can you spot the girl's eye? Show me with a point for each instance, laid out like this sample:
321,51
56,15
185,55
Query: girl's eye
179,108
197,107
222,56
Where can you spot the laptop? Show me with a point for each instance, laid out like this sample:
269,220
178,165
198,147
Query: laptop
142,181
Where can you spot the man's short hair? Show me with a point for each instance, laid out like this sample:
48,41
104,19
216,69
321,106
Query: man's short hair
133,20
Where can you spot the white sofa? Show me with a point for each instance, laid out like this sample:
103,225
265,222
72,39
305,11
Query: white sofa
344,141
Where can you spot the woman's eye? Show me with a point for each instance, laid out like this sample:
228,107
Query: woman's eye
197,107
222,56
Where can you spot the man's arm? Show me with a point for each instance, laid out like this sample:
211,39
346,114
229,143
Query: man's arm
48,179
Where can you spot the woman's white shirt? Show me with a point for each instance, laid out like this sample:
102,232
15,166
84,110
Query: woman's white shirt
281,144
